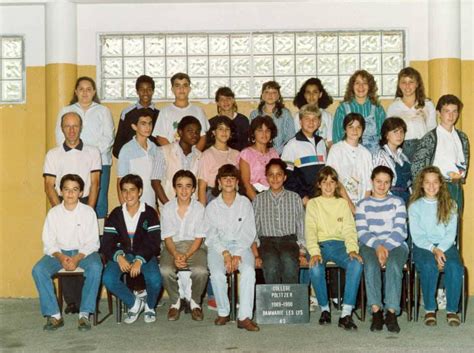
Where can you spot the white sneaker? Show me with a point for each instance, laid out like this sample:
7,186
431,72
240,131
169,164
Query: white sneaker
132,316
441,299
140,294
150,316
313,304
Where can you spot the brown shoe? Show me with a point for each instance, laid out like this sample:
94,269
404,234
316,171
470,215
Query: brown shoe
196,314
221,320
53,324
430,319
453,319
173,314
248,324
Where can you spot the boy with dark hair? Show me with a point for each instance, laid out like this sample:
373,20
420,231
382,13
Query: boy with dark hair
145,87
446,147
181,154
137,156
71,240
166,129
131,244
183,235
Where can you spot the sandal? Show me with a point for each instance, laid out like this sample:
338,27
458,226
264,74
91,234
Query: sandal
453,319
430,319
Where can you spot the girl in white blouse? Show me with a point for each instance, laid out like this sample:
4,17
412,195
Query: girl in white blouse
413,107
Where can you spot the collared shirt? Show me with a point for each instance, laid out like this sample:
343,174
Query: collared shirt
97,128
171,115
419,120
387,158
190,227
134,159
81,160
449,155
230,227
160,166
131,222
71,230
354,167
281,214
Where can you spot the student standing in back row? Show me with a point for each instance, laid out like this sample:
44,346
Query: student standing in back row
361,97
271,104
145,87
166,129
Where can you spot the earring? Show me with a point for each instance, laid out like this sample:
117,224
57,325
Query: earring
237,188
219,187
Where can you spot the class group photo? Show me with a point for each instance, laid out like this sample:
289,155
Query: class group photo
238,175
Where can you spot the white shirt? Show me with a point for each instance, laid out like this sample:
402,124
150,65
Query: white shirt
325,130
131,222
419,121
190,227
71,230
449,156
97,128
82,160
170,116
354,167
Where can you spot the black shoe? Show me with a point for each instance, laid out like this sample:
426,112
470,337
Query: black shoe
347,323
391,322
377,321
71,308
325,318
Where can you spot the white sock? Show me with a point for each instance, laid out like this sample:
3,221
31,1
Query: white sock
325,308
177,305
148,309
56,316
194,305
84,315
346,310
136,305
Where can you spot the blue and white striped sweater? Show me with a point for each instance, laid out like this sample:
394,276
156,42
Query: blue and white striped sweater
382,222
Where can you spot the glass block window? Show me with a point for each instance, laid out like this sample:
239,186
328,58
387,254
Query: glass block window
12,69
244,61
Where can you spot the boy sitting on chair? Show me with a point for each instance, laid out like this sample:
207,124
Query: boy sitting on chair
71,240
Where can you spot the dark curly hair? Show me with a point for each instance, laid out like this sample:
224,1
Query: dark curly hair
323,102
372,95
258,122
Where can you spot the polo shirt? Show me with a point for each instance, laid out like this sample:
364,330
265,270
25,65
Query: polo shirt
133,159
71,230
81,160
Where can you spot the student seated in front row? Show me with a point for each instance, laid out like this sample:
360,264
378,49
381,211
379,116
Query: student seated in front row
331,236
433,226
183,234
279,218
131,244
381,225
231,231
71,240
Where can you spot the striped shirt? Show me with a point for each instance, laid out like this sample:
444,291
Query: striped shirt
281,214
382,222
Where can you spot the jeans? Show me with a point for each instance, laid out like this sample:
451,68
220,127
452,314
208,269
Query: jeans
280,256
101,208
49,266
150,271
215,262
393,277
335,250
427,267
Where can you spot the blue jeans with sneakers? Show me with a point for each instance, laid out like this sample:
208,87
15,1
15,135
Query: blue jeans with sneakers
49,266
335,250
151,273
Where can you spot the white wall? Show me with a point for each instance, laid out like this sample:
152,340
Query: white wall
412,16
29,21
